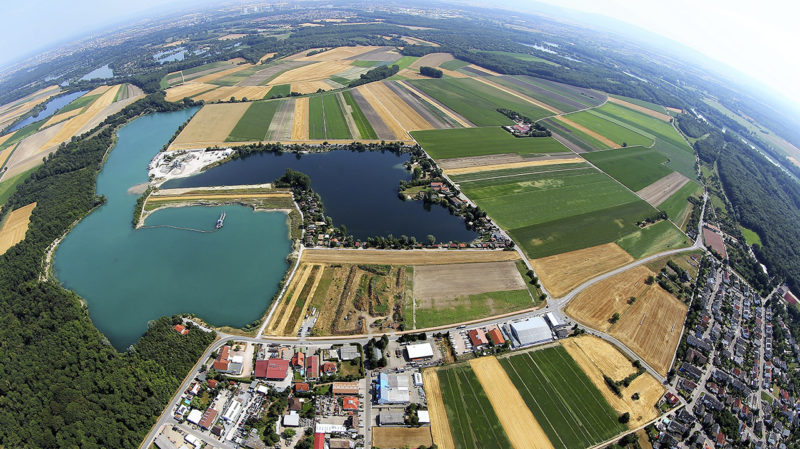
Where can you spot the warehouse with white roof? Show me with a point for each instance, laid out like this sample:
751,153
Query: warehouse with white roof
530,332
420,351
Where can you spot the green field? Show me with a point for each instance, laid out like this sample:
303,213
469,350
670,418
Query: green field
364,128
613,131
282,90
462,142
8,186
254,124
365,63
203,67
574,135
677,203
642,103
565,91
473,422
550,98
238,77
405,61
570,409
78,103
470,307
662,236
519,201
338,79
637,168
316,121
581,231
335,124
477,102
453,64
750,236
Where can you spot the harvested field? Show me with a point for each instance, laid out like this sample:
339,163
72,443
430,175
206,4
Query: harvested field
296,309
519,95
339,53
416,105
178,93
529,163
15,227
382,131
405,115
280,128
516,418
595,305
384,114
5,154
58,118
293,291
383,54
570,410
651,326
300,122
309,87
411,257
563,272
596,358
440,426
431,60
447,281
641,109
212,124
587,131
474,423
232,36
556,100
225,93
658,192
311,72
266,75
220,74
75,124
401,437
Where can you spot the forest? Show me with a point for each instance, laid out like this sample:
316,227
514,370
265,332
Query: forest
70,387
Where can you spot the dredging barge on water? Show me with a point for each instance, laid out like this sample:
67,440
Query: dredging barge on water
220,221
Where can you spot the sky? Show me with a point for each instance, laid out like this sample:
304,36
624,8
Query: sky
756,38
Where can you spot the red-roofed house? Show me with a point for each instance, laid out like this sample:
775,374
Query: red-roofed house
312,367
272,369
790,298
208,419
350,403
319,441
478,338
212,383
496,336
181,329
223,361
301,387
328,368
299,361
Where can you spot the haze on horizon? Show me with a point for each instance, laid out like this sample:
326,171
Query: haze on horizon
757,40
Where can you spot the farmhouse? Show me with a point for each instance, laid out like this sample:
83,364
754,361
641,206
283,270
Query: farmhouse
420,351
392,389
531,331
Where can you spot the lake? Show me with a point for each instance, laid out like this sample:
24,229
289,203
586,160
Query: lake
129,277
99,73
50,109
358,189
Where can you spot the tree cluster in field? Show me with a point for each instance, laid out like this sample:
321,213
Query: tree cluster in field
430,72
376,74
537,129
71,388
652,219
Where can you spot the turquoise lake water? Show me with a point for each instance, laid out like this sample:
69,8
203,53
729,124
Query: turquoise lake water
129,277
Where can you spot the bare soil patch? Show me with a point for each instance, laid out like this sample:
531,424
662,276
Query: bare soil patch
403,257
520,425
563,272
15,227
401,437
658,192
451,281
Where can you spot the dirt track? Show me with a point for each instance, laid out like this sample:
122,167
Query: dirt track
451,281
440,425
563,272
405,257
658,192
520,425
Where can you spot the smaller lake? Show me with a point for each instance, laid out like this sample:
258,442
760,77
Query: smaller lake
51,108
99,73
170,55
358,189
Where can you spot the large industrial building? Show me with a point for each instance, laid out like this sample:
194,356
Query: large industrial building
392,389
530,332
